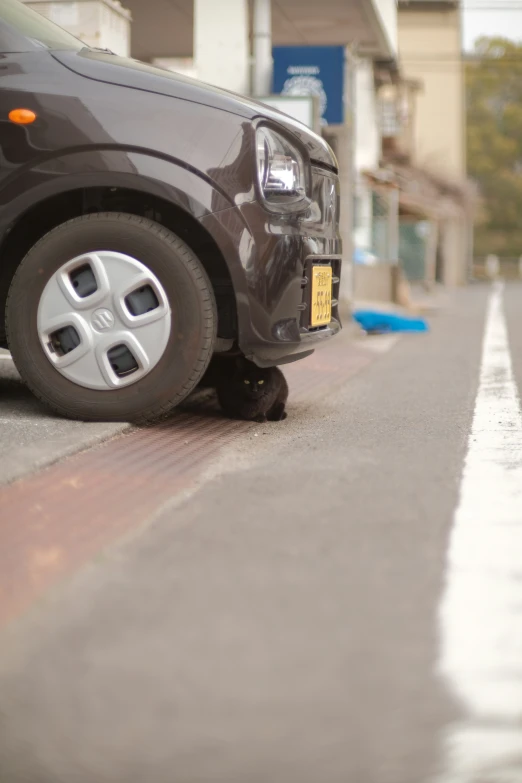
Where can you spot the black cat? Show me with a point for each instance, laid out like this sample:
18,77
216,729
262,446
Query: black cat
246,391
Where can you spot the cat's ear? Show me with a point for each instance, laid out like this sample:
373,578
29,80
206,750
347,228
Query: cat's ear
241,363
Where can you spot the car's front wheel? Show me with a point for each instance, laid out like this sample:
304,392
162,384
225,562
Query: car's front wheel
111,317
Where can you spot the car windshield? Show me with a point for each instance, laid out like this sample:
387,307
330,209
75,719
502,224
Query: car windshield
23,29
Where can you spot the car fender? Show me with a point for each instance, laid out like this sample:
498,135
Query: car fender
129,168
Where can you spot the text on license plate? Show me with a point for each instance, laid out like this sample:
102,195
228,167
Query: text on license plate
321,295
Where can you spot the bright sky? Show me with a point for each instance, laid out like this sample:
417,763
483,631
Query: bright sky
492,17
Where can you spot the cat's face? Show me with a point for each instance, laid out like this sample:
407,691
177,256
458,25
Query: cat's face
253,381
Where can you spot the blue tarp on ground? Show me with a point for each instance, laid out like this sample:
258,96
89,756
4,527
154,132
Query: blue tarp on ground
375,322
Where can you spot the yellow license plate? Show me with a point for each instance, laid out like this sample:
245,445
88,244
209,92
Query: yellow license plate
321,295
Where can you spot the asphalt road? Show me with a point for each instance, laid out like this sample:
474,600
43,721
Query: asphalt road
281,622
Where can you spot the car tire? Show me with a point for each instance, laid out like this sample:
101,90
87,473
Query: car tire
189,332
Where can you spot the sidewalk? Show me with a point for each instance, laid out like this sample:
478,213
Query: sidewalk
31,437
422,302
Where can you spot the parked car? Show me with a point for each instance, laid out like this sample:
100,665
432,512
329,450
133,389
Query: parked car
148,221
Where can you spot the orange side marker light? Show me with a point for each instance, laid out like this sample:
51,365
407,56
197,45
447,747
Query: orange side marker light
22,116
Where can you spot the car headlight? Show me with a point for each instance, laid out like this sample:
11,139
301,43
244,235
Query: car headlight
281,169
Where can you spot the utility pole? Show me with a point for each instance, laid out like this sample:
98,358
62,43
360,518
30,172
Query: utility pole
262,33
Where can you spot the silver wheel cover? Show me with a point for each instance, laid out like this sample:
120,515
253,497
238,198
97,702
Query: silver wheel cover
104,321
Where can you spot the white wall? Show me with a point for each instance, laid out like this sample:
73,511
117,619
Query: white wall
387,11
183,65
367,148
367,134
221,43
99,23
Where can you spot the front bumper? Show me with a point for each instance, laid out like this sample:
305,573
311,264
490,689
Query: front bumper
284,334
270,258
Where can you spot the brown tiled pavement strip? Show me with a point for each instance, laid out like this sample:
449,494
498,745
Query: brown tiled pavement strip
53,522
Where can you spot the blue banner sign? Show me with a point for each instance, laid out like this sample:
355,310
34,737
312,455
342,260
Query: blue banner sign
312,70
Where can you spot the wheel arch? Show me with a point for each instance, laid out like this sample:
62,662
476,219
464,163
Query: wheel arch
47,213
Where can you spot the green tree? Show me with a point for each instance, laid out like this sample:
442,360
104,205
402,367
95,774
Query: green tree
494,143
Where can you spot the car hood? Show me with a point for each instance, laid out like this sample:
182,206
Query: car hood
124,72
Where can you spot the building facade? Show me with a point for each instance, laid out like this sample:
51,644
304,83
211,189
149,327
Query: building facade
430,47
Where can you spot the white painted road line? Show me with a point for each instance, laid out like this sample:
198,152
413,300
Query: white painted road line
481,609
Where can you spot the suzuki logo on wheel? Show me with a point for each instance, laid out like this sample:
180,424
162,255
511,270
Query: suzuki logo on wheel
102,319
